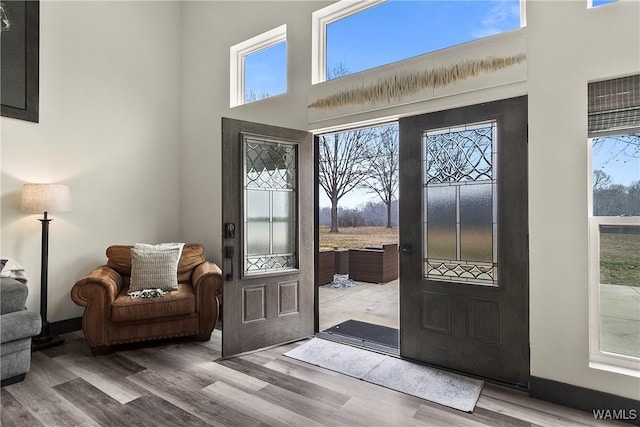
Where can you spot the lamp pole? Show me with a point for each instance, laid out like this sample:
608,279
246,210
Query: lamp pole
45,339
45,198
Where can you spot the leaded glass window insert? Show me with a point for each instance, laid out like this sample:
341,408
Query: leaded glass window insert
460,204
270,205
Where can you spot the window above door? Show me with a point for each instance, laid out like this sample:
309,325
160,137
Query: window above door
349,37
259,67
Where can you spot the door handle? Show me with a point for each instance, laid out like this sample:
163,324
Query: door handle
228,253
406,249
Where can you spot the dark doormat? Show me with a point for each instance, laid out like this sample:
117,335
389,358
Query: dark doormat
369,332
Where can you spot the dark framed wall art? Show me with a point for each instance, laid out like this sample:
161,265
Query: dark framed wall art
19,59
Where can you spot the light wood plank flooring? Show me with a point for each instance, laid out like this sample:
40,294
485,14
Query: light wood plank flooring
186,384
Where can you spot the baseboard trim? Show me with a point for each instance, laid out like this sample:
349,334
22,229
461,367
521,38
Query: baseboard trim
597,403
65,326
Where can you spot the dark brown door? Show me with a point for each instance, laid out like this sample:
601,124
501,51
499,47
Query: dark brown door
464,240
267,205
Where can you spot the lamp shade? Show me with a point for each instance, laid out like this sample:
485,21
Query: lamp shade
46,198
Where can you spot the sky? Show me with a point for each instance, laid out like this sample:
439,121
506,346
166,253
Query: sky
618,160
397,30
266,71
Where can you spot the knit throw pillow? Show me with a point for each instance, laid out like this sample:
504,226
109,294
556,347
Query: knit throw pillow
155,266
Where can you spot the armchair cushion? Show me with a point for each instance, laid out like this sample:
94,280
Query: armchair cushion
155,266
177,303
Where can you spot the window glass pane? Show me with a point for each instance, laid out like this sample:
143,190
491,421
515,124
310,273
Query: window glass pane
397,30
459,154
476,222
257,237
441,223
257,205
265,73
620,289
283,237
270,217
460,205
597,3
616,175
283,222
283,205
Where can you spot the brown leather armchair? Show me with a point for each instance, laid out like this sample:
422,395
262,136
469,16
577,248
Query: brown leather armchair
113,317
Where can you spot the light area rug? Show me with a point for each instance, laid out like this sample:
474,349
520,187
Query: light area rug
446,388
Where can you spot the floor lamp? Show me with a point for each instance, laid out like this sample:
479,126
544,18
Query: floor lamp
45,198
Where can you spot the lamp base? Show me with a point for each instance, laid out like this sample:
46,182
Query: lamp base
40,343
45,339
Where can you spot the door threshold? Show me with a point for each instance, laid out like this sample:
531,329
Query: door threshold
359,342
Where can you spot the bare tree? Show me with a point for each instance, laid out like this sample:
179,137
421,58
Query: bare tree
251,96
634,198
601,180
609,198
337,71
620,146
383,166
343,165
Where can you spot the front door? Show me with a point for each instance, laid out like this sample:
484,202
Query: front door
464,240
267,211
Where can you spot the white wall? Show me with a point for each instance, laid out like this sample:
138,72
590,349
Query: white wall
109,127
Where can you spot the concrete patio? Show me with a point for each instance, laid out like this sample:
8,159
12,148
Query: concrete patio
378,303
375,303
620,319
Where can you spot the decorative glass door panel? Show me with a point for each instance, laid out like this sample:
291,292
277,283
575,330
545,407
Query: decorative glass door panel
270,205
460,204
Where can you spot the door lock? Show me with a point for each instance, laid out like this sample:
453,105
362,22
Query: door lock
229,230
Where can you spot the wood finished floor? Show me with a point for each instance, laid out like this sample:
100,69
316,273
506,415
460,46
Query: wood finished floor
186,384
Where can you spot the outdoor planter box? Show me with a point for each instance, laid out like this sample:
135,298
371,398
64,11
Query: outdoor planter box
375,265
341,261
325,267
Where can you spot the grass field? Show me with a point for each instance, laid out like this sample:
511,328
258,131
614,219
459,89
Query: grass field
619,253
357,237
620,259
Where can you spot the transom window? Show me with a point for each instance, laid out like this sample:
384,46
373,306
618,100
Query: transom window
596,3
349,36
259,67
